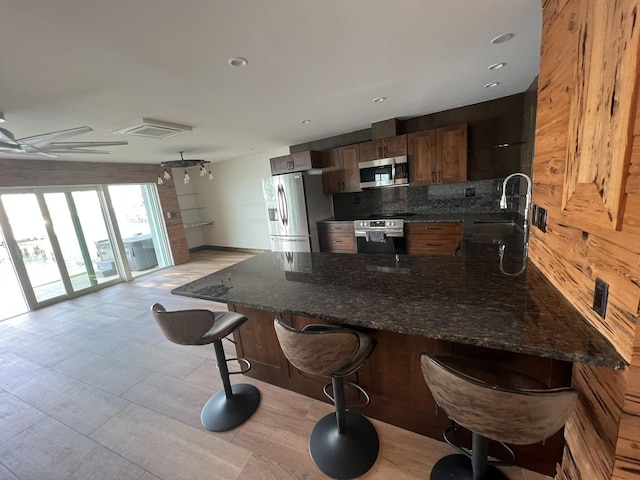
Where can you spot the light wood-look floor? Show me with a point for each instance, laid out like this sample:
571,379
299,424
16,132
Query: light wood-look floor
90,389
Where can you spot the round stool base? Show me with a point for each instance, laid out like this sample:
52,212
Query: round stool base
348,455
221,413
458,467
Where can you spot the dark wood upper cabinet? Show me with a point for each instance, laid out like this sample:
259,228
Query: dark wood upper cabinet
422,157
383,148
438,156
340,170
451,143
296,162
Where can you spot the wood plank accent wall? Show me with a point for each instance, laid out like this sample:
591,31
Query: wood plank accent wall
43,173
586,173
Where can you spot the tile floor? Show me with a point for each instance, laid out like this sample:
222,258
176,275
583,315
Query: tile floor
90,389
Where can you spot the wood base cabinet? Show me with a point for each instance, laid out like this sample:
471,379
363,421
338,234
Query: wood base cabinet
438,156
433,238
337,237
393,378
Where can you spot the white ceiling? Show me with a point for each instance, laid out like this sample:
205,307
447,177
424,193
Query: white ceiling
106,64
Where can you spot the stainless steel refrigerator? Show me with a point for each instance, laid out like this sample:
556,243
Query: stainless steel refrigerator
295,202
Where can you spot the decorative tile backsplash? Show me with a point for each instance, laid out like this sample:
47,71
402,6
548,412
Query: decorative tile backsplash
482,196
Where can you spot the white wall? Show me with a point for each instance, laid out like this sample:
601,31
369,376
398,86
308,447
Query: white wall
233,200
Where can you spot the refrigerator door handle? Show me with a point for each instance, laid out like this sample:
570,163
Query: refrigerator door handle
280,209
285,207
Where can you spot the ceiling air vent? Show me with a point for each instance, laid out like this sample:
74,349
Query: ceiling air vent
153,129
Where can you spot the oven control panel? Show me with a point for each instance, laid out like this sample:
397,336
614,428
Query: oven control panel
392,227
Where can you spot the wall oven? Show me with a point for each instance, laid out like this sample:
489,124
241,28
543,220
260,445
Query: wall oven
380,236
384,172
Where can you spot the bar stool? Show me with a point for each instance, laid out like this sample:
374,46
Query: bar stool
236,403
343,444
495,403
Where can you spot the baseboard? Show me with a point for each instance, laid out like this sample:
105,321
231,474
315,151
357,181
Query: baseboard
226,249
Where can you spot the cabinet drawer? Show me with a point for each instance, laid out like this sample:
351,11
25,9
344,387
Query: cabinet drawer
423,246
337,237
336,227
434,228
433,238
337,242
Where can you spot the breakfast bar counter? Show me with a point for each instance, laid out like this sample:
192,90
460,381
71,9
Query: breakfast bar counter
472,306
467,300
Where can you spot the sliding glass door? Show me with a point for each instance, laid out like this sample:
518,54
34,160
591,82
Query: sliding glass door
136,212
13,301
84,240
62,242
33,252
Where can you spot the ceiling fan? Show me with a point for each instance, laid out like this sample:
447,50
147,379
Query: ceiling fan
48,144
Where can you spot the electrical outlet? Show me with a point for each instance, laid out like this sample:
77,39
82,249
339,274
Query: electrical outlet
600,297
539,218
469,192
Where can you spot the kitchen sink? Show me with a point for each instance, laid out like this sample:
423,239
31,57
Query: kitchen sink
493,232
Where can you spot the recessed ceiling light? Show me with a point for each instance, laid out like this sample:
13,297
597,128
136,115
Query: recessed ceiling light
238,62
502,38
496,66
492,84
379,99
305,121
1,117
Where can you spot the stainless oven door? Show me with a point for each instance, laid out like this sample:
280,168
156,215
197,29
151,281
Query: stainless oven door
390,245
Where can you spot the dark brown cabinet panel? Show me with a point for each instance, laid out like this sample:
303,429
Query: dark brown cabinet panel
433,238
296,162
422,157
383,148
256,341
438,156
337,237
340,170
452,152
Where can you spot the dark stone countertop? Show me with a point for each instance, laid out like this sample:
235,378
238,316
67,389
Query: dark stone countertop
461,299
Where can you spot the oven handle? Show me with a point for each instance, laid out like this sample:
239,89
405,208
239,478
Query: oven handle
389,233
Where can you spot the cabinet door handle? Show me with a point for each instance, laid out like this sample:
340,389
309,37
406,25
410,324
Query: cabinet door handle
386,152
379,152
440,176
433,177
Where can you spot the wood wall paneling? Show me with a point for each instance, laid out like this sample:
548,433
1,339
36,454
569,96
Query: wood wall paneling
585,172
43,173
602,112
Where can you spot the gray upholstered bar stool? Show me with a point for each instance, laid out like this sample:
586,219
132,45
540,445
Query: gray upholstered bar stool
343,444
495,403
236,403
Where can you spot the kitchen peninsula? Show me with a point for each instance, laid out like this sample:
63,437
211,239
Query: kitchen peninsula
459,305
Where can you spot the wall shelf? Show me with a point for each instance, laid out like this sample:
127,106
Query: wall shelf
197,224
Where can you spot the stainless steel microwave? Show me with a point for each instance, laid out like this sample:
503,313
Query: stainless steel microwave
384,172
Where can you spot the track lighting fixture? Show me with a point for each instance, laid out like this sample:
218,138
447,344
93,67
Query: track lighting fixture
184,163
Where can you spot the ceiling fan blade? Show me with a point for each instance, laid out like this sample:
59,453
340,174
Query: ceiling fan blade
10,146
73,150
69,145
45,139
6,137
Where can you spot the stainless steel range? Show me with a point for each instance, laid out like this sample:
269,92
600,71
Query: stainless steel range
383,235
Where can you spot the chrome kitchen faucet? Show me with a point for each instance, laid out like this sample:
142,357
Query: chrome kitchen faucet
503,201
